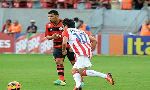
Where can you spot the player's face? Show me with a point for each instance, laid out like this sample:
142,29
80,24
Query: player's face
52,17
8,22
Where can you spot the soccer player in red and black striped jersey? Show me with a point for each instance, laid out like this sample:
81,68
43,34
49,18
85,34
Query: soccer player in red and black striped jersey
53,32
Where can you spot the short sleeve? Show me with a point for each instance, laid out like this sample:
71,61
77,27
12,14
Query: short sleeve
47,32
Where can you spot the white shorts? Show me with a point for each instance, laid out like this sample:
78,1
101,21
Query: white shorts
82,62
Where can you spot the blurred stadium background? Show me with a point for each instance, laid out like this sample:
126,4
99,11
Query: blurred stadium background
121,50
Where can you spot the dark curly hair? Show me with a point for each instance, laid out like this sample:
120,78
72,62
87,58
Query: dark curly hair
69,23
53,12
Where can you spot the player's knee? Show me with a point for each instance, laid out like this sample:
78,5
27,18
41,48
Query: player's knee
59,61
73,71
84,73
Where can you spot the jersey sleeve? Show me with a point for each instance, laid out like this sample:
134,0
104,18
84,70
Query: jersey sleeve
65,33
46,31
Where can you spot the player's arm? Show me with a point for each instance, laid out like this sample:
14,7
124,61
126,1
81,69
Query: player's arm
64,45
93,42
54,36
65,36
50,36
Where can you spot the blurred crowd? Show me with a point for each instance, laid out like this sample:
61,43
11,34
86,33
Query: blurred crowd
15,28
75,4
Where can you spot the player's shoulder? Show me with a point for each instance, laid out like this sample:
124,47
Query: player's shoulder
81,31
72,29
49,24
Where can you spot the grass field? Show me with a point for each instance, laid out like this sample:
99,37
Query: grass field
37,72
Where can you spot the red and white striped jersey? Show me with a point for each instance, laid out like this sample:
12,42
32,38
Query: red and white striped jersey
79,42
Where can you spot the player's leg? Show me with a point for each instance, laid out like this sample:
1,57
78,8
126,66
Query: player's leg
85,62
77,78
59,59
78,67
93,73
71,56
108,76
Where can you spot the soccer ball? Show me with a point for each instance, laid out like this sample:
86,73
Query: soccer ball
14,85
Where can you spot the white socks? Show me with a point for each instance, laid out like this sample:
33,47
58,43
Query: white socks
95,73
77,78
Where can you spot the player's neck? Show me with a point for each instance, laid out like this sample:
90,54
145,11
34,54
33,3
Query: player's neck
57,21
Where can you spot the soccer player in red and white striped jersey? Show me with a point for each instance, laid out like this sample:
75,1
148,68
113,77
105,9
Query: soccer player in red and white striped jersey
82,45
79,42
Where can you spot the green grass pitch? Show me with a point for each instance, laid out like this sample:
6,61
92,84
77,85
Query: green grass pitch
37,72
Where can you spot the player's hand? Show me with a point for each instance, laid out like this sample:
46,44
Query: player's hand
93,47
55,36
64,52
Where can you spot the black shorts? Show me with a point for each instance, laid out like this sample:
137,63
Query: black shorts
57,53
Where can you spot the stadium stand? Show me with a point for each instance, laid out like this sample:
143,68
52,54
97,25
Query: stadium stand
6,4
48,3
103,25
76,4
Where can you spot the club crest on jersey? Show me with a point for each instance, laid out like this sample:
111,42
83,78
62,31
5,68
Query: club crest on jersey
50,29
60,28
